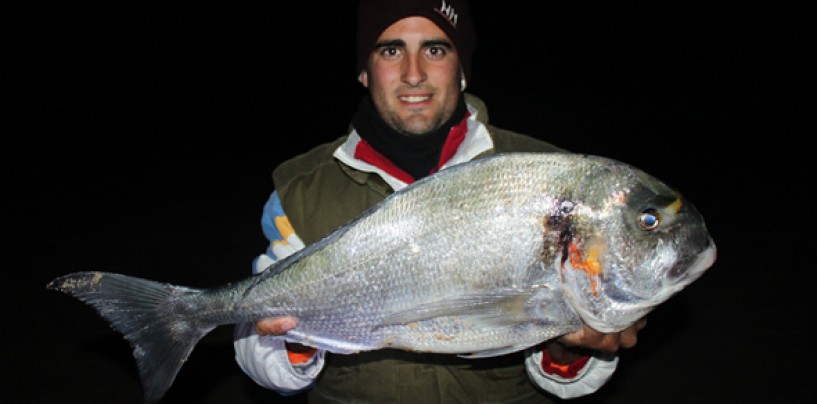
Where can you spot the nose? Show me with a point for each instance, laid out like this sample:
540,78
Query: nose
414,72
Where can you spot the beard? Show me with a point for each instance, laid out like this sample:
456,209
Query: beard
416,121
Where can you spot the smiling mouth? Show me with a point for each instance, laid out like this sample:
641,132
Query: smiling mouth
414,98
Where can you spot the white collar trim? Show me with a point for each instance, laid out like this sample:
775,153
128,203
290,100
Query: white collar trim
477,141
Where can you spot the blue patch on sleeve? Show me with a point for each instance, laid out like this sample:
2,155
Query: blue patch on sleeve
272,209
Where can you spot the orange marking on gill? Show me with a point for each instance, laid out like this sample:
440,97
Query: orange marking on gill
587,262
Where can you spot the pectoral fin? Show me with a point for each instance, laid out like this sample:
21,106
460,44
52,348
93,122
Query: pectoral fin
499,308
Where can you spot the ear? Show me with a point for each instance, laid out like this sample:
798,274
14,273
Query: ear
363,78
463,83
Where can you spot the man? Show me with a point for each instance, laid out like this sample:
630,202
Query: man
414,57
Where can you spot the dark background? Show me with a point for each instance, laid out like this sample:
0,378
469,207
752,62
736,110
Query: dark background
141,136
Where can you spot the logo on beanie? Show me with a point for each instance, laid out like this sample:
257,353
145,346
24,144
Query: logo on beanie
446,10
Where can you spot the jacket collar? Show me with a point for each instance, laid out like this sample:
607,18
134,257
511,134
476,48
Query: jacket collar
477,141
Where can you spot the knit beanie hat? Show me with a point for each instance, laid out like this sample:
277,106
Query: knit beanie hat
452,16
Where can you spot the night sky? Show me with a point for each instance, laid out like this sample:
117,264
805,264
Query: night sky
141,136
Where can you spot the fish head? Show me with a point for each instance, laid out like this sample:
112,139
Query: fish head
630,252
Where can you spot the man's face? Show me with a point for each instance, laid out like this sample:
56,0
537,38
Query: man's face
413,75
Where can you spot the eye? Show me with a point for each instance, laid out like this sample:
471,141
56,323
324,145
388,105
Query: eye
389,51
436,51
649,219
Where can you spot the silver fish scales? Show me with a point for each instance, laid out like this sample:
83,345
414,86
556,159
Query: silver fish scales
481,259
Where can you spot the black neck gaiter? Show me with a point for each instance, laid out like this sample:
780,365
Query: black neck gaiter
417,155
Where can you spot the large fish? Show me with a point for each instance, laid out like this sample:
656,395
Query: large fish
481,259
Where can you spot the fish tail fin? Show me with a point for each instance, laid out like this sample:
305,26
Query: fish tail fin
154,317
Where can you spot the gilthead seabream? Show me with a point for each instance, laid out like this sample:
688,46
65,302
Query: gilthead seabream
481,259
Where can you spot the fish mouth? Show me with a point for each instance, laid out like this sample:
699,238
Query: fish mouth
684,272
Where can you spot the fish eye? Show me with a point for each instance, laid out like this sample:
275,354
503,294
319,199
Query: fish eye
649,219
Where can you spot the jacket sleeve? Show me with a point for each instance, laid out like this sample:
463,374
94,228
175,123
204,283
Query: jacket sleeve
264,358
576,382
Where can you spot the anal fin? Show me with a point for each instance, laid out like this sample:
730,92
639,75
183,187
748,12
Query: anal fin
495,352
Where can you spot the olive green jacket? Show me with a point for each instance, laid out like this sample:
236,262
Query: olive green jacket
319,194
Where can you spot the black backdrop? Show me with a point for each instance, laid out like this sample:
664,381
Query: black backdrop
140,137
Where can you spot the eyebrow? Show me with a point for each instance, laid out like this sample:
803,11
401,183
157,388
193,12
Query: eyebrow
401,43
